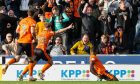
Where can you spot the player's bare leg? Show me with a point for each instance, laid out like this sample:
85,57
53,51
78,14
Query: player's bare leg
11,61
26,69
31,65
5,69
45,67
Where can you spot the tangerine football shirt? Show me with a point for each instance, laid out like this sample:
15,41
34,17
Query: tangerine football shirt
24,29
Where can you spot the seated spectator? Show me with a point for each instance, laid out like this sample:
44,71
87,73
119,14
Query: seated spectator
105,47
8,45
83,46
57,47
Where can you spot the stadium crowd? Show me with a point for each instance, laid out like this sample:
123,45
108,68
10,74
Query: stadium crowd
102,26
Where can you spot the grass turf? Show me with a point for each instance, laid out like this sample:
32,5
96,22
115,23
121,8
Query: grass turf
70,82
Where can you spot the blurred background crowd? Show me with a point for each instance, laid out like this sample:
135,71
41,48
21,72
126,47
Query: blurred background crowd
101,26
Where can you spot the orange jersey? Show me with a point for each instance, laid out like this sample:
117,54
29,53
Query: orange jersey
48,15
76,5
117,34
43,39
98,66
39,28
24,29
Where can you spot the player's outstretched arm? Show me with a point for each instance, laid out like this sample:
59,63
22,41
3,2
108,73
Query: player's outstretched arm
64,29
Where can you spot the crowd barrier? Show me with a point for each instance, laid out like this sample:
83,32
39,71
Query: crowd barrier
84,59
76,68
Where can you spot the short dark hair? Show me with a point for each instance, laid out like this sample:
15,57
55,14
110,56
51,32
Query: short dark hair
57,36
30,12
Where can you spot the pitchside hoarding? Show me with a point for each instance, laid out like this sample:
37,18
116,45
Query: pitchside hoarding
114,59
75,72
0,72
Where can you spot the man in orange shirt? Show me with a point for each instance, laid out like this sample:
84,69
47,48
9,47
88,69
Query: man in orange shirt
97,68
40,50
25,30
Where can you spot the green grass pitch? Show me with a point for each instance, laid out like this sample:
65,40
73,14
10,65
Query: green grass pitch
70,82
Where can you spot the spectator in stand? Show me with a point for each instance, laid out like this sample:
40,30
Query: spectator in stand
113,5
24,7
32,2
77,20
89,22
9,45
123,19
58,19
57,48
104,21
96,14
15,6
47,8
68,8
7,3
4,20
38,11
137,35
12,27
105,46
119,36
82,47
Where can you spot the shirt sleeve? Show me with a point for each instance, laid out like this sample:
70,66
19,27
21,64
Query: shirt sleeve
65,17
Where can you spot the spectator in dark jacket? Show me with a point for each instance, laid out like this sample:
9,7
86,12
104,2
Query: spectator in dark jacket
4,20
89,22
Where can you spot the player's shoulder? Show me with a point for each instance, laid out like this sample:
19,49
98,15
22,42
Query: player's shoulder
93,57
51,32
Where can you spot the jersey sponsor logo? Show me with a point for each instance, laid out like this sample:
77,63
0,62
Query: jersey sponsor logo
23,29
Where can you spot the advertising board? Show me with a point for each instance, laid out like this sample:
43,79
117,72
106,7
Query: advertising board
75,72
